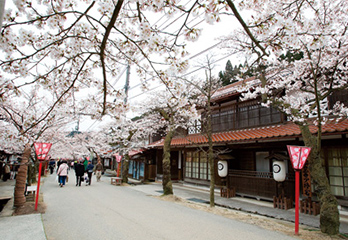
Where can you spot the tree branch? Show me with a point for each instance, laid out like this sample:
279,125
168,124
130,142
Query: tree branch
245,27
103,46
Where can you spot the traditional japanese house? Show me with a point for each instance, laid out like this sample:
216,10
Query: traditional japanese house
250,137
142,165
106,159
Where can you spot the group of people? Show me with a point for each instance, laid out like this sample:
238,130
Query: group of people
8,170
83,171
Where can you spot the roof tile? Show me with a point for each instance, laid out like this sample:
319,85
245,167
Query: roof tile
270,132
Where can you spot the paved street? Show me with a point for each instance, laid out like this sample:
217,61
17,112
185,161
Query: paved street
104,211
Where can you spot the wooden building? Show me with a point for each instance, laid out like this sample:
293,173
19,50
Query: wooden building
142,165
248,135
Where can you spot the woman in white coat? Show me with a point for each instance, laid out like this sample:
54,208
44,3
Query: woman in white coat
62,173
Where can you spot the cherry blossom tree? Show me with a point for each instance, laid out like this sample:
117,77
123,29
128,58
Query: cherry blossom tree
70,49
76,45
125,135
69,146
169,111
206,89
317,32
66,47
24,121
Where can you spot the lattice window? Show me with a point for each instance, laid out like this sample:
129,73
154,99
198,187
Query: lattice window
197,166
338,171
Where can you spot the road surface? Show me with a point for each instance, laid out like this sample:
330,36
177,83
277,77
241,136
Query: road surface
104,211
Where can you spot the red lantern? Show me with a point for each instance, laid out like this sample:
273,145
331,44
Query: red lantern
42,149
298,156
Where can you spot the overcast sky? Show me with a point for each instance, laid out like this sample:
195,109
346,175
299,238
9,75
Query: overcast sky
198,50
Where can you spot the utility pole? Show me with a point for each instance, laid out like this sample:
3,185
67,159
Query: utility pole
78,124
2,9
126,86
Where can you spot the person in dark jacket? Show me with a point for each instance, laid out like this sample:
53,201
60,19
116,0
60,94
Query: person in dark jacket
52,164
90,167
79,172
7,172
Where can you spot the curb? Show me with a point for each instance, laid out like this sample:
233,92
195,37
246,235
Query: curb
8,209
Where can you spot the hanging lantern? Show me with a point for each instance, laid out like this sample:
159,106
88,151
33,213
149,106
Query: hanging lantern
279,173
222,168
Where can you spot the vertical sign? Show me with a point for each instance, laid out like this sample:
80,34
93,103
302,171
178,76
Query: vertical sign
118,160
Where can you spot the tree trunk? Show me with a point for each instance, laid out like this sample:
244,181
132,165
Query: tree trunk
125,162
329,215
212,174
167,181
32,170
125,168
211,156
19,198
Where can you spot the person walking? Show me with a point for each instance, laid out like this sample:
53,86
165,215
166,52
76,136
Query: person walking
90,167
85,163
62,173
7,172
98,169
79,172
58,163
52,164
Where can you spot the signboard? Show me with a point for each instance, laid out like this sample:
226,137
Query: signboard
42,149
298,156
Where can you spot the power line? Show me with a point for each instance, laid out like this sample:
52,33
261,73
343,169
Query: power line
193,71
190,58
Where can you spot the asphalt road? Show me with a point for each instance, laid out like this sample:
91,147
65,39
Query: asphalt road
105,211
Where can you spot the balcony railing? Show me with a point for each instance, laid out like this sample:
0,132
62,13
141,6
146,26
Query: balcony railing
259,184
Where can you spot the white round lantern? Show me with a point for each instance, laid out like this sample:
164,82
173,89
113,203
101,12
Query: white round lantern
279,173
222,168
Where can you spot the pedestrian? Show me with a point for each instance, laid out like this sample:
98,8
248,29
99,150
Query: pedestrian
62,173
79,172
52,164
12,171
7,172
58,163
1,168
85,163
98,169
90,167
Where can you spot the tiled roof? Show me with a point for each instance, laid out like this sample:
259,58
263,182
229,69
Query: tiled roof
135,152
230,89
262,133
